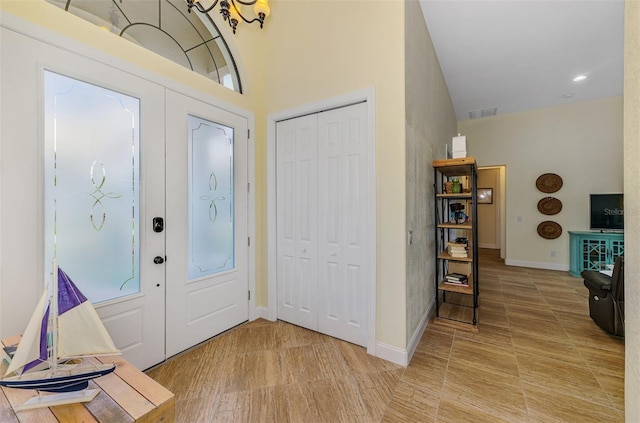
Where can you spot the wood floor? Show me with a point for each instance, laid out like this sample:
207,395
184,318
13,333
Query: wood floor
537,357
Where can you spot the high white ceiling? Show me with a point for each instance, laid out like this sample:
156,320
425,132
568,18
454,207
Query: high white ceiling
520,55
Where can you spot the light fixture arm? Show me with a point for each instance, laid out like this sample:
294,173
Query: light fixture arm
260,17
227,15
199,7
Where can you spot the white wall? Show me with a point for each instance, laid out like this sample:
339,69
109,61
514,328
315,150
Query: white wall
315,50
632,209
582,143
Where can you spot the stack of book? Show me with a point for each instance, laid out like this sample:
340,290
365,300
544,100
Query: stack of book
456,279
9,351
457,250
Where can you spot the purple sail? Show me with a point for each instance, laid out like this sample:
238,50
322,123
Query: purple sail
44,326
69,296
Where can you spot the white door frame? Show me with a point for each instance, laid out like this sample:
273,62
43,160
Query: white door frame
501,215
367,95
47,36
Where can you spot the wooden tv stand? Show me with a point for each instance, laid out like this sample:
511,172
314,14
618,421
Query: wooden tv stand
126,395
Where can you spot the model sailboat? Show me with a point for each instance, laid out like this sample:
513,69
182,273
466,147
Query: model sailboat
63,330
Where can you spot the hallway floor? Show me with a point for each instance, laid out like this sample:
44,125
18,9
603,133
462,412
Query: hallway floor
537,357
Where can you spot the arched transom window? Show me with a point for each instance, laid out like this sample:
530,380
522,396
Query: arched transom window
166,28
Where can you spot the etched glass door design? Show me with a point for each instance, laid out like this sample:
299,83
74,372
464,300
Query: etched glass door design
211,212
207,228
92,186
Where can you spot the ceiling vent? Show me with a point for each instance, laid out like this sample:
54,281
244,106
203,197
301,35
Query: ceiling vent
489,111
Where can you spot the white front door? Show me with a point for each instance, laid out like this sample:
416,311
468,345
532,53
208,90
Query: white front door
323,272
206,228
87,185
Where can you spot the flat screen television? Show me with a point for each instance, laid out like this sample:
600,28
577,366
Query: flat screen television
607,212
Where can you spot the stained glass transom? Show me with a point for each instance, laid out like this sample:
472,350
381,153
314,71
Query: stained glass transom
166,28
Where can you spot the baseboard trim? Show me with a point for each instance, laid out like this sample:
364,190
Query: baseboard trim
489,246
417,334
537,265
392,354
260,313
398,355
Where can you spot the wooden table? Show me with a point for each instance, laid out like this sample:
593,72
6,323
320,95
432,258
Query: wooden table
126,395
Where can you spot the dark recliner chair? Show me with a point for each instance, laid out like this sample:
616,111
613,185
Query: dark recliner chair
606,297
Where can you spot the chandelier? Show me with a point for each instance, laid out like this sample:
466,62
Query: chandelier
230,10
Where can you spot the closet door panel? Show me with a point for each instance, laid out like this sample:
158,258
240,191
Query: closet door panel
296,156
322,269
342,171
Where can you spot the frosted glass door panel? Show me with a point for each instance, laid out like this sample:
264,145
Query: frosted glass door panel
211,210
92,170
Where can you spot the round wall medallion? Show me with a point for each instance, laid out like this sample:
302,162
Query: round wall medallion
549,182
549,206
549,230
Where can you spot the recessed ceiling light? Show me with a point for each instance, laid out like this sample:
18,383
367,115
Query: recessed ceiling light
567,96
579,78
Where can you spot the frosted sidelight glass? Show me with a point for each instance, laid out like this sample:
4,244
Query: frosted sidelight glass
211,210
92,186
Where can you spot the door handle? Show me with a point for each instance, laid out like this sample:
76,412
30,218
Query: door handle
158,260
158,224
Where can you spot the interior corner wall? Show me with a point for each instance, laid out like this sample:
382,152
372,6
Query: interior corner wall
430,123
632,209
582,143
317,50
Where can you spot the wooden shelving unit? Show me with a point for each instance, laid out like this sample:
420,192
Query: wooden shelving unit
456,305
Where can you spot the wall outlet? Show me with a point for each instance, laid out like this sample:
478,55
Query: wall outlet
553,253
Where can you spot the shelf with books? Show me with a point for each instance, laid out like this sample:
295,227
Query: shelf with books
452,225
456,234
461,196
462,289
445,256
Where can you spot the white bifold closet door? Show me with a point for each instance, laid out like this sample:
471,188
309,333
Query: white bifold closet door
322,242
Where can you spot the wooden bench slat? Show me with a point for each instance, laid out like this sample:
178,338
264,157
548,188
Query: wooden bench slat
18,397
73,413
128,398
105,409
148,387
6,411
12,340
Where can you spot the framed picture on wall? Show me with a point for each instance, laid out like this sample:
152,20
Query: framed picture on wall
485,195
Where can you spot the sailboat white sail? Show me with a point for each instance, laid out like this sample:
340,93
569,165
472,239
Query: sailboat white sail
59,330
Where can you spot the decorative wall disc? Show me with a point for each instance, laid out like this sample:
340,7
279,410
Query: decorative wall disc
549,182
549,206
549,230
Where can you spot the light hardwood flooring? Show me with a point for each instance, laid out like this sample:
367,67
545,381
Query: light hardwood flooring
537,357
